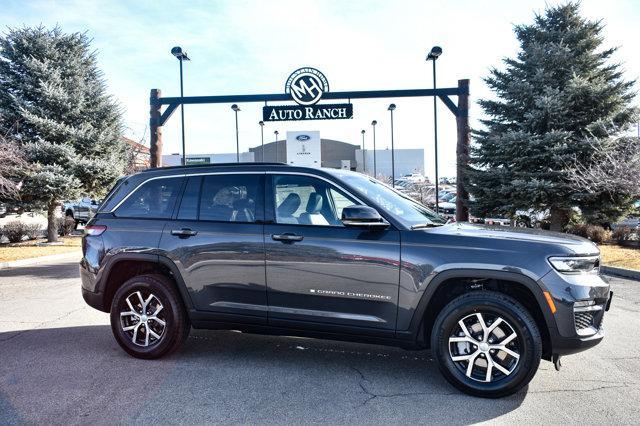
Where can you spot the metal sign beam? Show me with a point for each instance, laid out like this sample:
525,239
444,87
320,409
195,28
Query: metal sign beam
365,94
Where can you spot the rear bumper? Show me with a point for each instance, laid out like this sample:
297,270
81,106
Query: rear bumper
90,287
95,300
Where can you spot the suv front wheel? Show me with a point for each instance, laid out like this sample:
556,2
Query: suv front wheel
147,317
486,344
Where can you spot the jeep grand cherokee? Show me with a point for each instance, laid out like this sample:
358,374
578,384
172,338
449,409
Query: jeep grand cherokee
271,248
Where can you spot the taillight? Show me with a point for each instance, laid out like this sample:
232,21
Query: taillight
94,230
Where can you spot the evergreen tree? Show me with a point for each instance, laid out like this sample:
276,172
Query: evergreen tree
53,101
558,93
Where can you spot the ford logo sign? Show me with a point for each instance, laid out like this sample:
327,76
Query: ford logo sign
303,138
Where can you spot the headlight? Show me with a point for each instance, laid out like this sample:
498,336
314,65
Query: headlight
575,265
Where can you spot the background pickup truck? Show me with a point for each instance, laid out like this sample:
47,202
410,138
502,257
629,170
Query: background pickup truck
81,210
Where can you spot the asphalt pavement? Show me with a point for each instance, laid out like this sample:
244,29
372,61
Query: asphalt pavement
60,364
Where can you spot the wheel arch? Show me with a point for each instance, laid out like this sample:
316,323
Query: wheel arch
124,266
448,285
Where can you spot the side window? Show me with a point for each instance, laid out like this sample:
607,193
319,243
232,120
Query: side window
154,199
232,198
305,200
189,203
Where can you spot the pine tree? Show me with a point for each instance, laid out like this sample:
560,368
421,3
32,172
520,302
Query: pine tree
53,101
560,91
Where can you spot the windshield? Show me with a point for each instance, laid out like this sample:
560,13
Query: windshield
404,209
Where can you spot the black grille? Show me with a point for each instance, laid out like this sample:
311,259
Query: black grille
583,319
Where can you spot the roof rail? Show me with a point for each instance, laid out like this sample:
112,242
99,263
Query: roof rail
194,166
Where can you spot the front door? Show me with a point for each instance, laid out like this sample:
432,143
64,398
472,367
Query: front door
318,270
216,241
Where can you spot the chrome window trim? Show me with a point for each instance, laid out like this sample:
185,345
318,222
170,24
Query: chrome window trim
237,173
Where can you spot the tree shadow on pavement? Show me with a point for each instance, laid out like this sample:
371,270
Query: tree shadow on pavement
81,374
61,270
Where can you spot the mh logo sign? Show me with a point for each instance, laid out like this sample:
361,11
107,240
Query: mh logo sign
306,86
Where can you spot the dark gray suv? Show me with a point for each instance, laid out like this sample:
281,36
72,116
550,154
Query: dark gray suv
271,248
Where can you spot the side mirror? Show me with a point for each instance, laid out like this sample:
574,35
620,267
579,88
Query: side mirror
363,216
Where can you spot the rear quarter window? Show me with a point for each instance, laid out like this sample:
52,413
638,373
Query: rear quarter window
155,199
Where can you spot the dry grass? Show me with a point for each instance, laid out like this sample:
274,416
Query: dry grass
29,249
621,257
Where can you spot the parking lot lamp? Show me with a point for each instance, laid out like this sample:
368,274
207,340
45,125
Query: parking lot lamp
236,108
435,53
364,160
391,108
261,123
182,56
375,170
276,133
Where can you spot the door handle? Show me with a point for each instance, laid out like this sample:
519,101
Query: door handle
184,232
287,237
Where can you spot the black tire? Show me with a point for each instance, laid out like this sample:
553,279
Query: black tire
528,344
177,325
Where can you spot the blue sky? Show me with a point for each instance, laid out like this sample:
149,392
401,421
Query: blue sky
243,47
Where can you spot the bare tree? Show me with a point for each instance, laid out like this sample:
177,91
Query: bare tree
12,166
616,170
134,153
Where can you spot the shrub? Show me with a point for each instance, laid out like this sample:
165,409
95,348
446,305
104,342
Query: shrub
14,231
595,233
65,225
32,230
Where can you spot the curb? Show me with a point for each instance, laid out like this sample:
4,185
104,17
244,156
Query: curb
620,272
39,260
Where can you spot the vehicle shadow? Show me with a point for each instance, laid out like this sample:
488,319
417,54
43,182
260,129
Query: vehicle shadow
81,374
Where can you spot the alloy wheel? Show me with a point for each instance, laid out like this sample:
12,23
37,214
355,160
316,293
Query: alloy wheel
484,347
144,322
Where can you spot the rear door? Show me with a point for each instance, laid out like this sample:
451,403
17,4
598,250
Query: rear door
216,241
318,270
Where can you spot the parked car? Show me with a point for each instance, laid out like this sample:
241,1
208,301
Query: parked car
81,210
631,222
277,249
493,220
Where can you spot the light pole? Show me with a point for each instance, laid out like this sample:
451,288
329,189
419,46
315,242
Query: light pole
261,123
375,170
182,56
435,53
391,108
364,159
236,108
276,133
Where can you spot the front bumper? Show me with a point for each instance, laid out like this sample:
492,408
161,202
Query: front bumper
570,345
576,329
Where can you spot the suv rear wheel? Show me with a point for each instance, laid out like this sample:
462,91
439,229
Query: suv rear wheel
486,344
148,319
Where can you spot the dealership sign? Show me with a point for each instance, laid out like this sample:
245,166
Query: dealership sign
306,87
303,149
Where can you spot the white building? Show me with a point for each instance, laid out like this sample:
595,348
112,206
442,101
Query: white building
407,161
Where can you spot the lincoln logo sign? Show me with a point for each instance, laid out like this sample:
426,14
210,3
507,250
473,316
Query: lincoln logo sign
306,87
